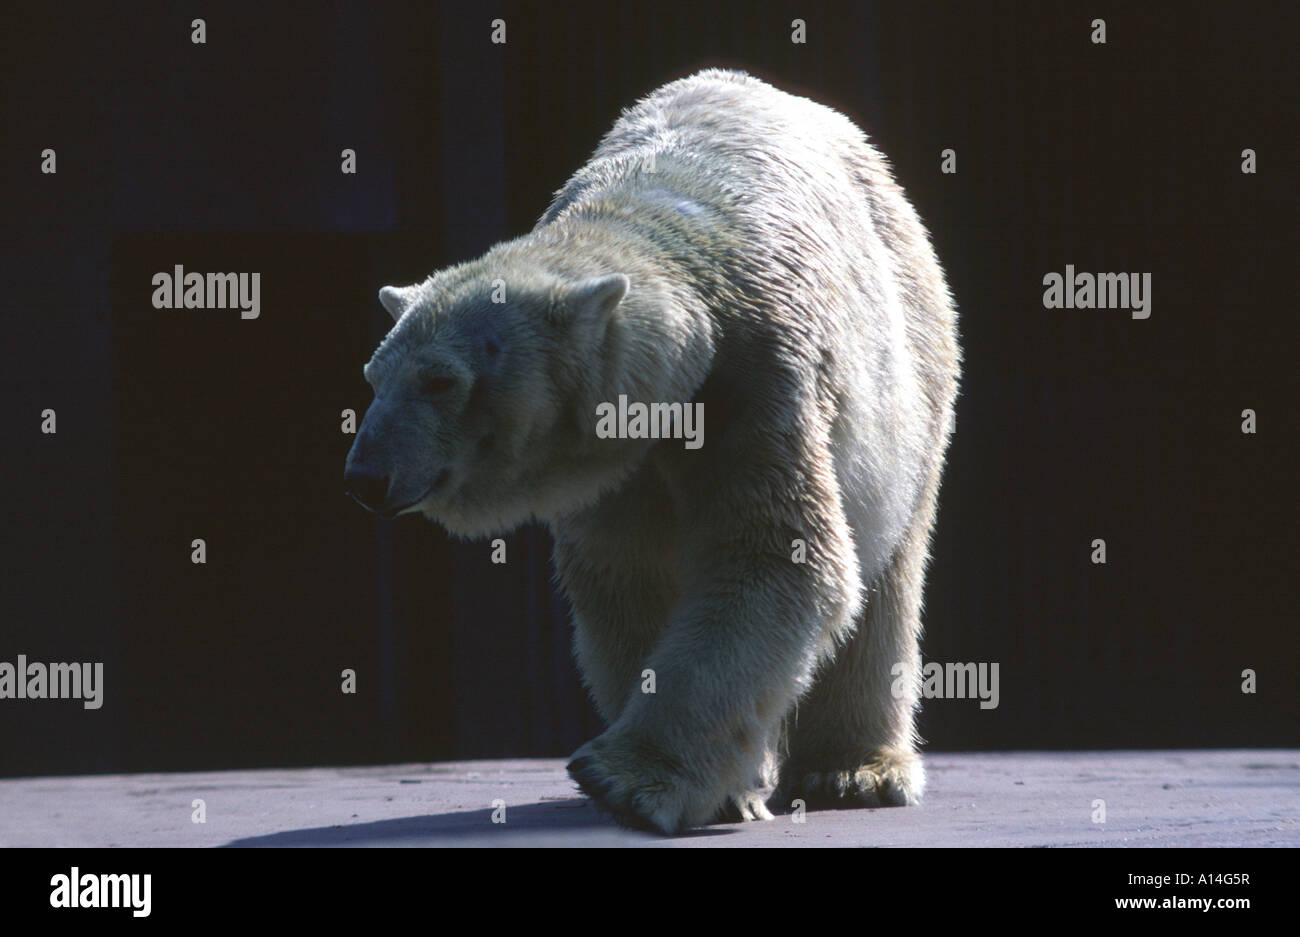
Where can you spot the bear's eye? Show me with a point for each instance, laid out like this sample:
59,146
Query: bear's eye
492,348
438,384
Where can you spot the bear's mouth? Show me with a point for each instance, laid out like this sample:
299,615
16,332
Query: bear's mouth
439,483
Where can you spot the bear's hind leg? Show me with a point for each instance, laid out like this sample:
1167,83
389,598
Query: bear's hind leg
852,739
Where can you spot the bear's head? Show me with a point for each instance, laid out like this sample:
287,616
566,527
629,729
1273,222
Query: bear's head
480,389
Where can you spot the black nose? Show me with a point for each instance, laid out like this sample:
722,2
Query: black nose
369,490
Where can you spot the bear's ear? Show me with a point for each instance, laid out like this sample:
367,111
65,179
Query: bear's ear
398,299
595,298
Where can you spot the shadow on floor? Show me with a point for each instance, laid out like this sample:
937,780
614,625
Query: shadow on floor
550,823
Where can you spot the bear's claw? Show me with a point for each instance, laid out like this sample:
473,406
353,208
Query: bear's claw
743,807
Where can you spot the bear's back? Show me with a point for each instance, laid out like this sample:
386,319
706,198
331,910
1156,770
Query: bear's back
729,163
789,227
720,138
776,203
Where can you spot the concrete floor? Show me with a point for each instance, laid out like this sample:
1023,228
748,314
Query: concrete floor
1175,798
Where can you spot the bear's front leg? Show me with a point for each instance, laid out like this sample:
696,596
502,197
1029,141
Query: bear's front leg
741,644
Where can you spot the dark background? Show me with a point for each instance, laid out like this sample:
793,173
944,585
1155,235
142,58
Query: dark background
176,424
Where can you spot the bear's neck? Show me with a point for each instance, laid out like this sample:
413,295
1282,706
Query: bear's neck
659,344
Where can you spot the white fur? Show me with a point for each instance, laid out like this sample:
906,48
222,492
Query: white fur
776,274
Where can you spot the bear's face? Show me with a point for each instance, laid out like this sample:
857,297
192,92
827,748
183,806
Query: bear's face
468,394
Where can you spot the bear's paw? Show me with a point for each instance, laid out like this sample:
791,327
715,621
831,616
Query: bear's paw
886,778
640,787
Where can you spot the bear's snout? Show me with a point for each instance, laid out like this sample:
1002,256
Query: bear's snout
367,488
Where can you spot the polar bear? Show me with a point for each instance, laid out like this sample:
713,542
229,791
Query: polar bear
740,605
